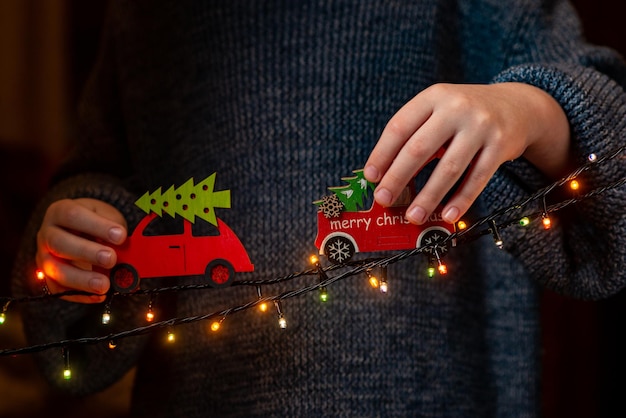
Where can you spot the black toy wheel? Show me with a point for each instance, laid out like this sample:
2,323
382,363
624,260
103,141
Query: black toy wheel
339,249
431,238
124,278
219,273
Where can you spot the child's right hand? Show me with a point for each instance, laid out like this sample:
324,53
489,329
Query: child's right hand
68,247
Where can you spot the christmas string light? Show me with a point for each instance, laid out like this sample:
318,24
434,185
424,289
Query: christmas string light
150,313
353,268
282,322
382,283
497,239
3,314
322,277
262,304
67,371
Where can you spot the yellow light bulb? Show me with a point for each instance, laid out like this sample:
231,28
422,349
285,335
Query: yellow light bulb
112,344
263,307
314,259
215,326
150,316
373,281
547,223
67,374
574,185
171,337
461,225
40,275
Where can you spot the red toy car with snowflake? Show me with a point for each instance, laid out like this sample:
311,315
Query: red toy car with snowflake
343,229
189,247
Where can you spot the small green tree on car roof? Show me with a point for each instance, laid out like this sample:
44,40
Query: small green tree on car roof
188,200
349,198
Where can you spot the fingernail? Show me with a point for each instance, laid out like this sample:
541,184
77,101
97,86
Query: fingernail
451,215
383,196
371,173
115,234
416,214
103,257
97,285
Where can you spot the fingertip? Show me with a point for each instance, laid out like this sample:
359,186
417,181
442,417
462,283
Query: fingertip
371,173
416,215
383,196
451,215
117,235
98,284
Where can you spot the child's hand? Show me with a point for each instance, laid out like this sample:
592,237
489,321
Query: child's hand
472,126
67,248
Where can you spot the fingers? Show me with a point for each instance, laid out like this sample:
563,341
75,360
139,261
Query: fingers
411,139
73,239
448,171
471,128
62,276
88,216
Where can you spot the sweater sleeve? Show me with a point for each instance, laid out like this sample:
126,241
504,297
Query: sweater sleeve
584,253
95,168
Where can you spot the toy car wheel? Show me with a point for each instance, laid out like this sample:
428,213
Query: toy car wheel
219,273
124,278
339,249
432,237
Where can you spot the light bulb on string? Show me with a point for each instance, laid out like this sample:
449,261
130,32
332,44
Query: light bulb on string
106,315
262,305
323,294
216,325
171,337
545,219
150,312
282,322
525,221
41,278
322,277
112,344
67,371
3,314
441,267
461,225
574,185
373,281
431,271
383,286
496,234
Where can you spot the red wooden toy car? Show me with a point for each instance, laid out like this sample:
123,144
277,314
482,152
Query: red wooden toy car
342,233
145,255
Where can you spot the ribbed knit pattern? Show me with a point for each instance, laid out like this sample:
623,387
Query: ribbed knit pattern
282,99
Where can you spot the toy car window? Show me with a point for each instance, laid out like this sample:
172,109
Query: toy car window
201,228
165,225
405,197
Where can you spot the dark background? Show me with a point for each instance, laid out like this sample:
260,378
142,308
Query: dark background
46,51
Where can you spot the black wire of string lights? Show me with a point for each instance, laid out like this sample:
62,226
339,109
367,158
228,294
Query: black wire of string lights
483,226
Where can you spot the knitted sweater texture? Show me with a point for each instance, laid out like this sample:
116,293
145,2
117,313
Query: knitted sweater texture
281,99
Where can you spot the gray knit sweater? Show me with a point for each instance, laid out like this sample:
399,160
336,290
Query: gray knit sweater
282,99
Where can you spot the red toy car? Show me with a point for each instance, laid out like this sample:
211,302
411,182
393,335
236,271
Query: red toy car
380,228
147,254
